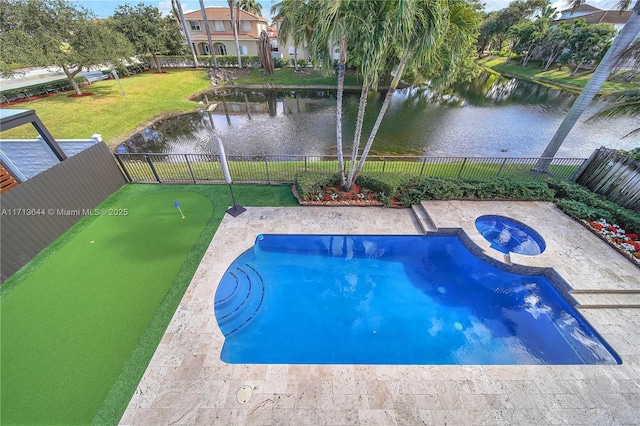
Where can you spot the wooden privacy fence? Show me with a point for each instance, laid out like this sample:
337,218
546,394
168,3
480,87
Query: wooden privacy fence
275,169
614,176
39,210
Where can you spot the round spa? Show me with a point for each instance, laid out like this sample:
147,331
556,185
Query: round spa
509,235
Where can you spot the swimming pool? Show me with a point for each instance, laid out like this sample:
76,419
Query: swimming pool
367,299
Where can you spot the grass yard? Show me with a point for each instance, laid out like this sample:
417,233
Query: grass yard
108,112
82,320
553,75
288,77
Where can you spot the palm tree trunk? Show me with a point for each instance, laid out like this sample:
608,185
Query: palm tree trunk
357,135
234,25
599,76
214,61
383,110
341,69
295,59
187,35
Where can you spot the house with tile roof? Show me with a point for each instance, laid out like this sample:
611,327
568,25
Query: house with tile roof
593,15
220,26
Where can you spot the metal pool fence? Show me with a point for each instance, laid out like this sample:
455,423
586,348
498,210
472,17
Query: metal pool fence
276,169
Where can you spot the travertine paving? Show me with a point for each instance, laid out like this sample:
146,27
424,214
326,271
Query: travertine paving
186,383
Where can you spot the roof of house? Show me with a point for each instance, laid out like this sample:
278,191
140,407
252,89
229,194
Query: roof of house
601,17
222,13
582,8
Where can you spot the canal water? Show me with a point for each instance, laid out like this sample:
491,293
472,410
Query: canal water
490,116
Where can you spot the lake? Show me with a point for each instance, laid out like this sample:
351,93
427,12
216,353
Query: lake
490,116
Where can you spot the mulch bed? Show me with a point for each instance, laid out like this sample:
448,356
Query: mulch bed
343,199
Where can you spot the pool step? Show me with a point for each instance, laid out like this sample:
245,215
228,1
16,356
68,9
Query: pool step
238,298
617,299
423,218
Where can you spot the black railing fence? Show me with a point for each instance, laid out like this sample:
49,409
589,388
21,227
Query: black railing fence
277,169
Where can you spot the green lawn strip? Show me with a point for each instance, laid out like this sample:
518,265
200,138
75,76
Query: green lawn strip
105,308
108,112
288,77
534,72
285,171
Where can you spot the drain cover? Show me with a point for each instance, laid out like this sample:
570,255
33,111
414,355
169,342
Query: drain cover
244,394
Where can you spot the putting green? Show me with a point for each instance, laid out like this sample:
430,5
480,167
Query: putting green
69,327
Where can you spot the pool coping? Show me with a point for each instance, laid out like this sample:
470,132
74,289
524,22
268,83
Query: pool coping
186,382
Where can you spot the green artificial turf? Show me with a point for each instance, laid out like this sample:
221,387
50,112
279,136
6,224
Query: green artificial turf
82,320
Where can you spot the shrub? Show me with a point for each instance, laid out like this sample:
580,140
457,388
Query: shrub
447,189
611,212
387,183
310,184
579,210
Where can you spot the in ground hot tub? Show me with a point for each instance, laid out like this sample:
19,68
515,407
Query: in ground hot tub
509,235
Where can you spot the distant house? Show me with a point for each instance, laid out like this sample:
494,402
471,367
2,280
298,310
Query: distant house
221,29
593,15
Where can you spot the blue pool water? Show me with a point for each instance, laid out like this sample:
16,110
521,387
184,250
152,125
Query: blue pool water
510,236
304,299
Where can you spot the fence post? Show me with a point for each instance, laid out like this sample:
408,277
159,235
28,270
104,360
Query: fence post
266,165
186,157
424,162
384,164
153,169
305,163
124,169
504,160
461,167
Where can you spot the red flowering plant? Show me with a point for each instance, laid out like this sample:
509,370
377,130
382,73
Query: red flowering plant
629,242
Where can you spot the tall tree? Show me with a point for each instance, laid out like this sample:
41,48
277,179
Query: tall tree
423,32
251,6
205,21
622,41
234,24
625,103
148,31
54,32
295,23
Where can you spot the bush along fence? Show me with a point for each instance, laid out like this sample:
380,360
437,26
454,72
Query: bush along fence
225,61
278,169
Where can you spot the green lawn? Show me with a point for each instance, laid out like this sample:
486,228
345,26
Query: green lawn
285,171
108,112
553,76
288,77
82,320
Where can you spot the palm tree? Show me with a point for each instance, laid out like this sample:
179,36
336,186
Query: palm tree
626,36
214,61
234,25
295,22
251,6
625,103
419,32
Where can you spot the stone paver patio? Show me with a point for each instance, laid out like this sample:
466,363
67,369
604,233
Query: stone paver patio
187,383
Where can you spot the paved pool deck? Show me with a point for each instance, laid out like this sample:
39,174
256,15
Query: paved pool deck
187,383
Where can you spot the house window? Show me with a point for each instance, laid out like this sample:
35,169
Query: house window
246,26
244,50
292,50
195,25
220,49
218,26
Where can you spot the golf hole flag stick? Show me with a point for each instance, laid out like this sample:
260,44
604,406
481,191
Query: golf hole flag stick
175,203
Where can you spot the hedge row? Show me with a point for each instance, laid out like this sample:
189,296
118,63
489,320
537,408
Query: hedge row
575,200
